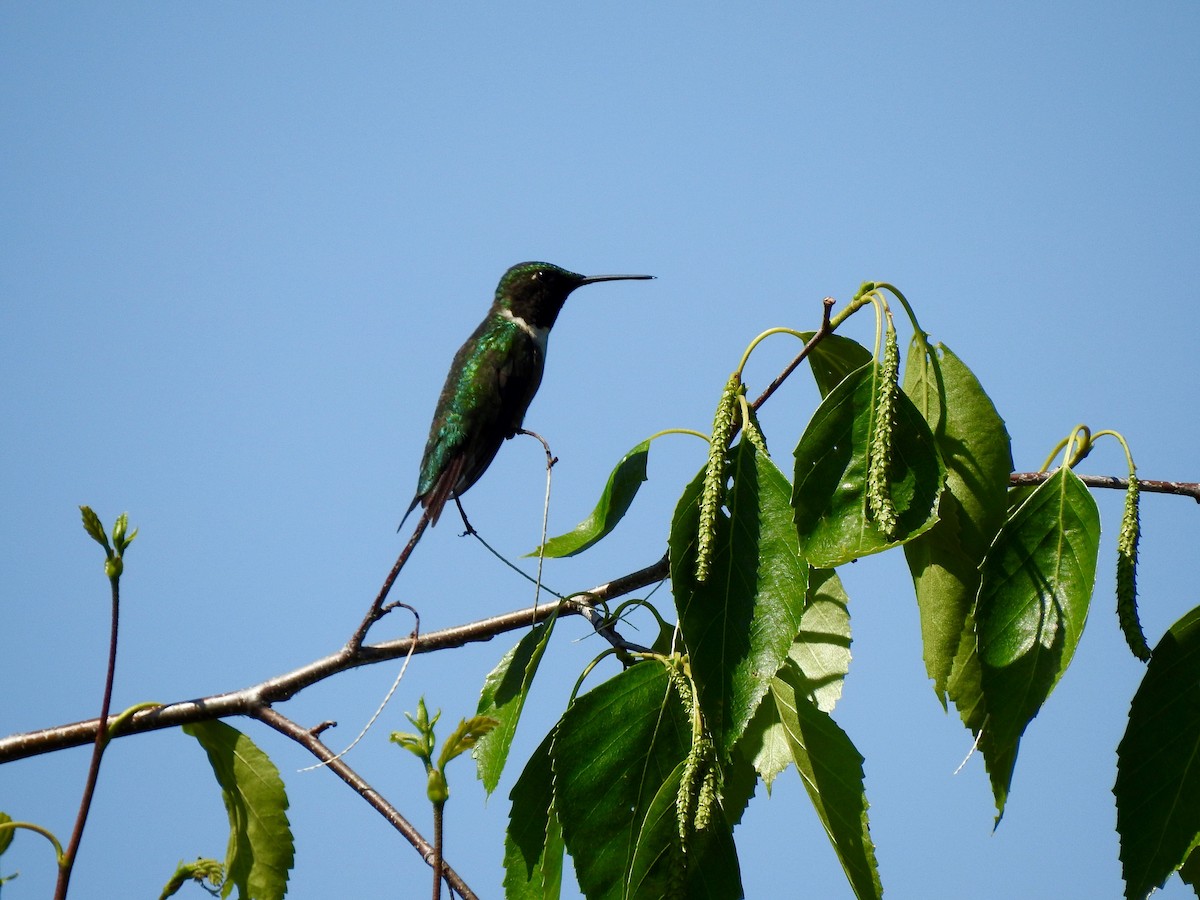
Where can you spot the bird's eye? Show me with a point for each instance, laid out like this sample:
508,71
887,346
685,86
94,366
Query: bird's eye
537,276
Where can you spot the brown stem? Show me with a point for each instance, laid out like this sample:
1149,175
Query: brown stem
338,766
101,730
377,610
1180,488
438,862
818,336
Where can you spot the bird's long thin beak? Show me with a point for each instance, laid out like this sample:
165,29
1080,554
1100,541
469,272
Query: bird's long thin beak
592,279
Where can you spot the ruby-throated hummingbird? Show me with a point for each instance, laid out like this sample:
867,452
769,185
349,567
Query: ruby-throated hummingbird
493,379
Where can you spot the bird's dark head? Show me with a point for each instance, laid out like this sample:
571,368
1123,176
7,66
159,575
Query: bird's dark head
536,291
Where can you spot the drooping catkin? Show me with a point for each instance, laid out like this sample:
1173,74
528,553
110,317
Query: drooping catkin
750,428
713,490
879,455
696,798
1127,544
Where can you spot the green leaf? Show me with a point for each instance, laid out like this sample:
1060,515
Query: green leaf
200,871
944,561
829,493
821,651
616,747
765,743
464,737
831,769
6,834
1158,765
503,698
1035,589
120,541
817,662
533,844
614,502
834,358
657,847
94,527
965,684
739,780
739,624
261,850
710,870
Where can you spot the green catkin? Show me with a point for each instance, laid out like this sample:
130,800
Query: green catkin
706,800
685,798
1127,543
714,476
697,795
697,791
753,433
879,458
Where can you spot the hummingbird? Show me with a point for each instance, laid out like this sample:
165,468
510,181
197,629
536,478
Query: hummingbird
492,380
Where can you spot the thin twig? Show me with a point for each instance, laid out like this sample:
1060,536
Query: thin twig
439,862
1179,488
377,610
101,731
818,336
471,532
386,698
313,744
550,461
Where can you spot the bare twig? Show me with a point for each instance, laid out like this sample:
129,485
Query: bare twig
1180,488
313,744
378,610
101,732
818,336
551,459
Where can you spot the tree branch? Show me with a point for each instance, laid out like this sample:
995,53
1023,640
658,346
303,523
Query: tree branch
1180,488
248,701
313,744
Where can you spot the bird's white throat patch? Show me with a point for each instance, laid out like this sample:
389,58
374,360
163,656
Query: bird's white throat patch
541,335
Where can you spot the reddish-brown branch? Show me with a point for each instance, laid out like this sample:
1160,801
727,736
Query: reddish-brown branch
1180,488
818,336
67,865
313,744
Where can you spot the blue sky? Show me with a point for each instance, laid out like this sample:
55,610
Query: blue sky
242,242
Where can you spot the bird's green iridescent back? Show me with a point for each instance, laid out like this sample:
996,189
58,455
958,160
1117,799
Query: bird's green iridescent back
491,383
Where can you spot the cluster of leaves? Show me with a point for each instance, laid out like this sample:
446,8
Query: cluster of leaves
645,776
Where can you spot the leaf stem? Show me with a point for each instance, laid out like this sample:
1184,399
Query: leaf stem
44,832
666,431
758,340
1124,445
912,316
